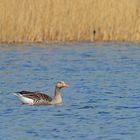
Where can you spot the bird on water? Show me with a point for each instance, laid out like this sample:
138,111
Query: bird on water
37,98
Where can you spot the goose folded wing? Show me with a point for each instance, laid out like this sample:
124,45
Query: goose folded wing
35,95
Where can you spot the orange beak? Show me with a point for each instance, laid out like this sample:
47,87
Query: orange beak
66,86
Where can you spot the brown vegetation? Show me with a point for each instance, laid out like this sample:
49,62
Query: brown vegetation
69,20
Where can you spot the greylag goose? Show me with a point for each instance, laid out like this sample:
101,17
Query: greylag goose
37,98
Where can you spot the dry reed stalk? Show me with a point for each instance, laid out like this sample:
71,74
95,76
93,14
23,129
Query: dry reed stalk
69,20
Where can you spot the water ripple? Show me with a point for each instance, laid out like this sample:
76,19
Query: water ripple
102,102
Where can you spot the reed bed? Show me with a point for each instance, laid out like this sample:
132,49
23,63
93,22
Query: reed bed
69,20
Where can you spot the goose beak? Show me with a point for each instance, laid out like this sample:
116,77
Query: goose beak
65,85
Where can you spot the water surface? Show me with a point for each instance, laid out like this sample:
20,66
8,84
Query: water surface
102,103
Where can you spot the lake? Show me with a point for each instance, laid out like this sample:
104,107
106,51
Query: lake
102,102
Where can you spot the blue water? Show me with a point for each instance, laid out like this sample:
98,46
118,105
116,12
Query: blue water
102,102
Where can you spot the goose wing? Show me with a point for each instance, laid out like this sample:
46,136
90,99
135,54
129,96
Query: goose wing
35,95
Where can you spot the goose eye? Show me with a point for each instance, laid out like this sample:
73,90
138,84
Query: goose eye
60,82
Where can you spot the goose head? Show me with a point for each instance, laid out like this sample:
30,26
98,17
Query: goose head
61,84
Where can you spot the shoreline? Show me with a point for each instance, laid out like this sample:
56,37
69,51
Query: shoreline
69,42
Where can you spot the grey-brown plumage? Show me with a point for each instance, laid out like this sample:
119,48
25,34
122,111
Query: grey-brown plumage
37,98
